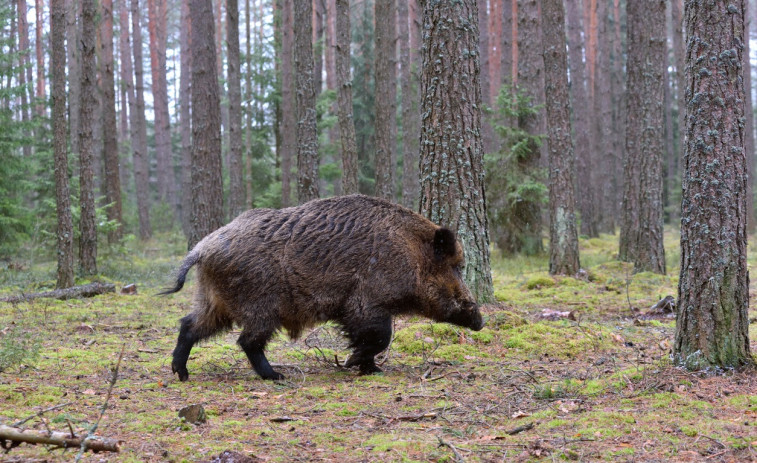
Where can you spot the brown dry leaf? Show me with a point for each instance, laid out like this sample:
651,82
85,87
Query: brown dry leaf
520,414
617,338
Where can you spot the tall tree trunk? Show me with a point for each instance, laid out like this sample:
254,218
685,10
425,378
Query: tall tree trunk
506,44
749,127
236,174
139,130
712,322
127,88
109,130
531,82
23,48
386,97
288,105
87,226
484,49
248,97
618,102
583,141
207,178
307,138
641,240
410,113
676,15
605,156
157,26
185,118
40,28
73,35
344,99
563,238
318,32
65,230
452,189
495,54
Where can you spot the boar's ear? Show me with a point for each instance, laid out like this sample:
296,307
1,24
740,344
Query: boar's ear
444,243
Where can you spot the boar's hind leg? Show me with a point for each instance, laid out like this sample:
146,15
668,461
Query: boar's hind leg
368,338
188,336
253,344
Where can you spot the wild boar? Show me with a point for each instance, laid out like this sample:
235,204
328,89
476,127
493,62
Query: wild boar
356,260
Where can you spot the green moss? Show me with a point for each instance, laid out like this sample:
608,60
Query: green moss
556,339
503,320
540,281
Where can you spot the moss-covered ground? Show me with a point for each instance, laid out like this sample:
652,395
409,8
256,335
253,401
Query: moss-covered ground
595,386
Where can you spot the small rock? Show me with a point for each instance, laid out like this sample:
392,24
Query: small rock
194,414
129,289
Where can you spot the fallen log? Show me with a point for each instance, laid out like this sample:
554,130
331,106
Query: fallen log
74,292
12,437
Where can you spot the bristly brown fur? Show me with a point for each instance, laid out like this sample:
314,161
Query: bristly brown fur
357,260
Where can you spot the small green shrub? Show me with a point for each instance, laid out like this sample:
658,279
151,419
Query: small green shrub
18,347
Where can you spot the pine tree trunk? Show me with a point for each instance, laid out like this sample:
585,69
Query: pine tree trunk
579,97
410,113
751,226
23,48
485,52
506,44
126,85
65,230
676,14
386,97
451,165
185,118
617,91
73,49
641,240
109,131
157,26
288,105
307,138
40,109
236,171
344,99
563,238
87,226
531,82
605,156
207,178
712,323
139,130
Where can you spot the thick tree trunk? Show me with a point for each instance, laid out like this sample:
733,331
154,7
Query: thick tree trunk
207,178
109,130
236,170
288,105
87,225
563,238
410,113
531,82
65,226
452,187
157,26
386,97
641,240
344,99
307,138
139,130
581,107
185,118
712,323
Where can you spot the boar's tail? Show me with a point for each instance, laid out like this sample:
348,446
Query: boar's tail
191,259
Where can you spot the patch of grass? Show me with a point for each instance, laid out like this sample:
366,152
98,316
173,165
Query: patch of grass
556,339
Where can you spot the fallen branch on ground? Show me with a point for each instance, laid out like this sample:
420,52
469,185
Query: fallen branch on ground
88,290
12,437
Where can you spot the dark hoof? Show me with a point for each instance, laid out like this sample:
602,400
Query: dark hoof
370,370
182,371
273,376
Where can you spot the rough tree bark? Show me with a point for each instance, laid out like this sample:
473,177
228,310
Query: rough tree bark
87,226
579,98
109,131
712,323
451,164
641,240
563,238
604,154
410,112
185,118
288,106
386,97
307,138
139,130
157,25
236,171
65,231
207,178
344,99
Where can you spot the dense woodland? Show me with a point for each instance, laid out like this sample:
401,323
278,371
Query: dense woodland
515,123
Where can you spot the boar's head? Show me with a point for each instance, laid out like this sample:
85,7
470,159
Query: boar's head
451,300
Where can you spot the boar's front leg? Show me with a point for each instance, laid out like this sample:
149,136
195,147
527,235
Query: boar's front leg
253,343
368,338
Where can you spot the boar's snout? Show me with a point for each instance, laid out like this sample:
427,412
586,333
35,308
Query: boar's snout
477,321
467,315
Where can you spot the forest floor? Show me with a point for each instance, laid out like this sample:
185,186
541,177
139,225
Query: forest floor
592,383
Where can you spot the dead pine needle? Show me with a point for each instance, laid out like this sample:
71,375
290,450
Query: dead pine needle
93,429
